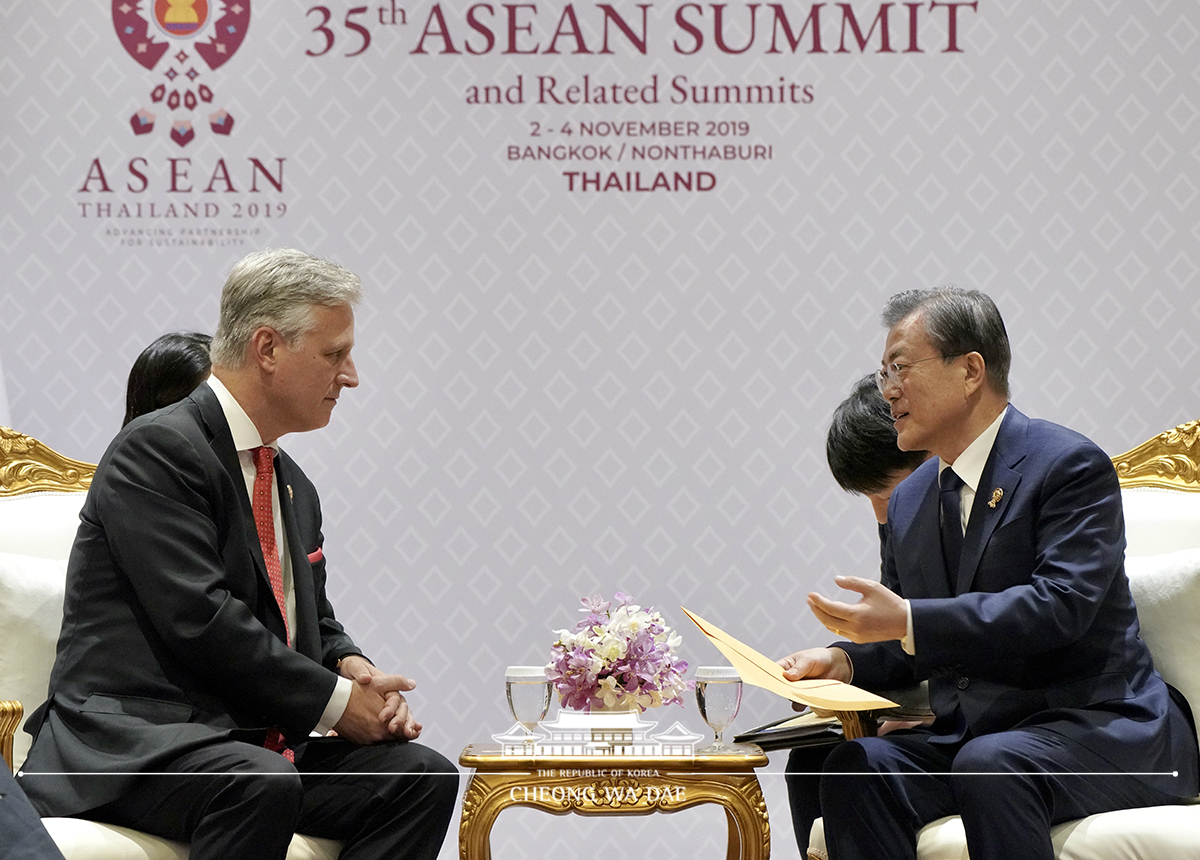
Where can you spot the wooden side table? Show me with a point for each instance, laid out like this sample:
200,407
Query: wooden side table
614,785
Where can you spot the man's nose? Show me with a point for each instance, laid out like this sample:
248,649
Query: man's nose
348,378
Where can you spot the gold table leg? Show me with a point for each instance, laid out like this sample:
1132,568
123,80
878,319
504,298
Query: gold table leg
618,794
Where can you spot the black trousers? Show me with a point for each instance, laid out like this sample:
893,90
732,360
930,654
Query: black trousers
803,778
1009,788
237,801
22,836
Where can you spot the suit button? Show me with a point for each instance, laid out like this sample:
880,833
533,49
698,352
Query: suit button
963,682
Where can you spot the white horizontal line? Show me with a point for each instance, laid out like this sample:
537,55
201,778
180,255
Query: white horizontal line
238,773
1173,773
613,772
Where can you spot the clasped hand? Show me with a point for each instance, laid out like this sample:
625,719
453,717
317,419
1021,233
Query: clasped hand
377,710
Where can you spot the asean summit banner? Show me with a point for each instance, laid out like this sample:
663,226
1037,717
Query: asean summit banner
683,99
622,260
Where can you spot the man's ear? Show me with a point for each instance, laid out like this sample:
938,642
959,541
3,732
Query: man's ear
976,376
265,344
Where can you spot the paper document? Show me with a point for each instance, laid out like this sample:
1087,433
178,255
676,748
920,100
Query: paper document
759,671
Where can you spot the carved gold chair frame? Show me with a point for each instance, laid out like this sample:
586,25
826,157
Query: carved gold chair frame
1169,461
29,466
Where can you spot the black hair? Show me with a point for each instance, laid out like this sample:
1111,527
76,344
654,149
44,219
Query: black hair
861,443
168,370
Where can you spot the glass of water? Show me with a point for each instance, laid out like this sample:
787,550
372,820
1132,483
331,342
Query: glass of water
719,695
528,692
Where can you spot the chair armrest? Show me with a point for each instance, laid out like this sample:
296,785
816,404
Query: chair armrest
912,703
10,718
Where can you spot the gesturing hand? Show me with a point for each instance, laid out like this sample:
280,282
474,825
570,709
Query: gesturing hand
878,617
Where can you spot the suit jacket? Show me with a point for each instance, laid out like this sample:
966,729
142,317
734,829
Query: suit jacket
171,635
1040,627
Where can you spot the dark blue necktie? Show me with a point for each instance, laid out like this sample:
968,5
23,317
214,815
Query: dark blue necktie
952,532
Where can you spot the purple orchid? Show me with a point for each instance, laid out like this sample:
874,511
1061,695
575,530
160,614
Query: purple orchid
619,653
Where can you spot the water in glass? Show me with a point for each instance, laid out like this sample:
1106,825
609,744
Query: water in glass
528,692
718,695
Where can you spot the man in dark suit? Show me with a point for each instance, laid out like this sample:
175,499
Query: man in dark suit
200,668
1003,584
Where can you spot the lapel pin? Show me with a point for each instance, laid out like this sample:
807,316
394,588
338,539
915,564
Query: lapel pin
997,495
291,497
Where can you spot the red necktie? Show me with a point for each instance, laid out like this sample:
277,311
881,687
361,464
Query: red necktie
264,521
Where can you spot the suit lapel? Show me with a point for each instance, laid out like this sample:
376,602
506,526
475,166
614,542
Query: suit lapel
305,637
919,540
213,417
997,486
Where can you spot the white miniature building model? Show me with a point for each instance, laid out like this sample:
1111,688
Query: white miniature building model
624,733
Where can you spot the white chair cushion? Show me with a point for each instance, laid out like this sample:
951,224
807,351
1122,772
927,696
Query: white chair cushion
78,838
31,605
40,524
1131,834
1166,589
1166,832
89,840
313,848
1158,521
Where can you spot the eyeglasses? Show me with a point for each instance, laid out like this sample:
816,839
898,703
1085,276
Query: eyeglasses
895,371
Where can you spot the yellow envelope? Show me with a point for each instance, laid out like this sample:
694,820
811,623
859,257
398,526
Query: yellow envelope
755,669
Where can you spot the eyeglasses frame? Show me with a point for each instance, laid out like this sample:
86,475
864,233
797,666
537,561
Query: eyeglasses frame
891,372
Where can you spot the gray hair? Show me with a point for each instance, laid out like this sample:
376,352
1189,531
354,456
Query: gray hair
958,321
277,287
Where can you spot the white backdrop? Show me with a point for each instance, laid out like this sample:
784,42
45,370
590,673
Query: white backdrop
568,390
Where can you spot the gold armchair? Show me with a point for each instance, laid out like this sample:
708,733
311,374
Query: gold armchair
28,468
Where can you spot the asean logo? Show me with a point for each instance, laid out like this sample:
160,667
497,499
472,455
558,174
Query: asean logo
176,37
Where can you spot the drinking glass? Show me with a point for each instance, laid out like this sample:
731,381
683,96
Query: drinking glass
719,695
528,692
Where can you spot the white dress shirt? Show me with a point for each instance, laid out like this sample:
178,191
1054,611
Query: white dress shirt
245,439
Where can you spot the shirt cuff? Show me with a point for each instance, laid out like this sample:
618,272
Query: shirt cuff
848,660
908,643
336,707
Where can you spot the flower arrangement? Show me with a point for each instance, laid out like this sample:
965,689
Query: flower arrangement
618,656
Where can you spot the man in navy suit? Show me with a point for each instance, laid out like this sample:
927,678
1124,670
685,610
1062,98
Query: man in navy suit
1003,584
199,652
